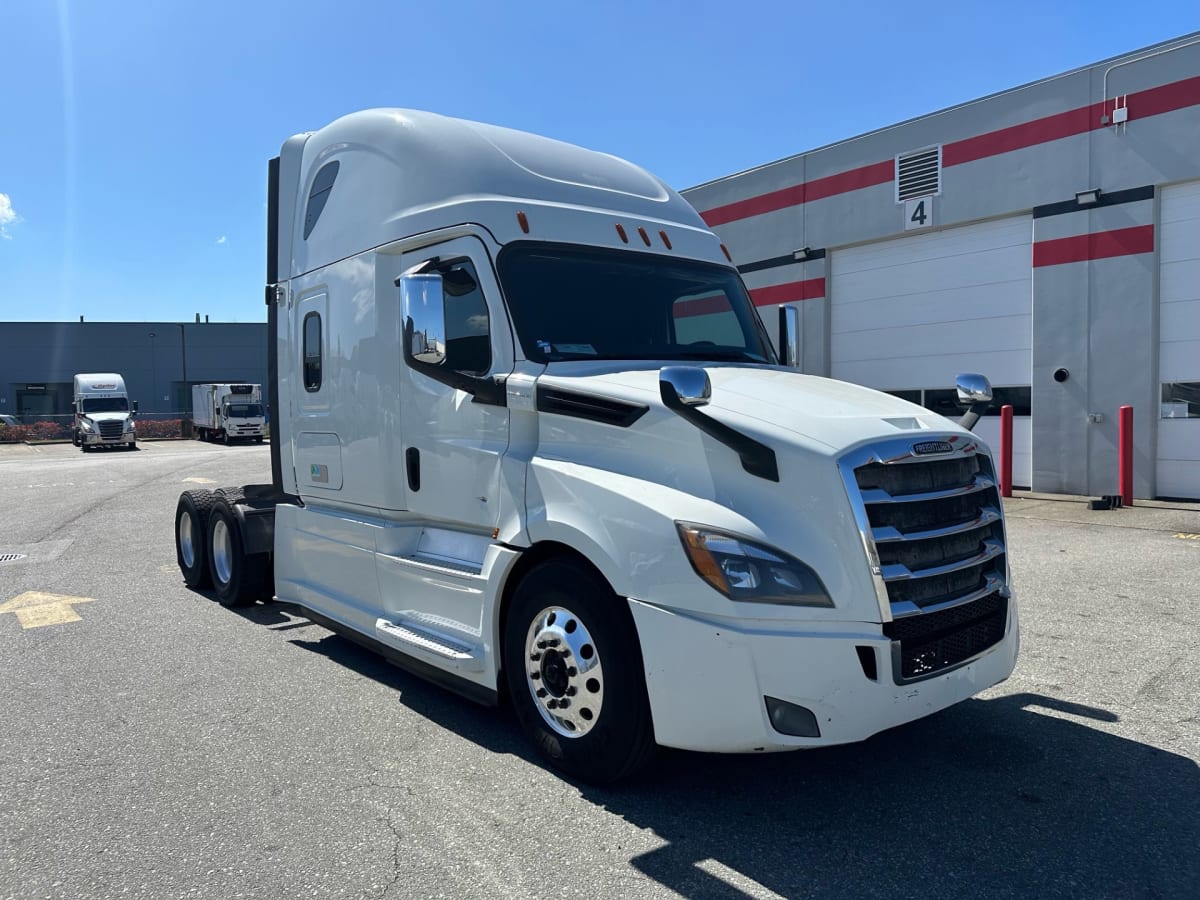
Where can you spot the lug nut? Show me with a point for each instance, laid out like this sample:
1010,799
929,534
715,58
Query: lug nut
541,692
535,675
571,691
564,703
572,671
535,656
552,703
541,645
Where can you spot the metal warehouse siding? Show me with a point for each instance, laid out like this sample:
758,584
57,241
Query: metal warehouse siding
1096,314
156,358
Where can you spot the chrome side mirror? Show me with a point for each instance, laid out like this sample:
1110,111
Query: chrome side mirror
684,386
974,392
973,388
423,307
789,336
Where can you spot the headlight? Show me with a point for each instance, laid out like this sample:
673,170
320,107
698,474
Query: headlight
744,570
129,424
86,425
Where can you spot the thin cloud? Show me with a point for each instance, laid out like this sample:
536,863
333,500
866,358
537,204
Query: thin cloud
8,216
221,239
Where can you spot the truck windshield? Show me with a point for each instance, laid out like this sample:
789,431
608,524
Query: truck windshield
243,410
584,303
105,404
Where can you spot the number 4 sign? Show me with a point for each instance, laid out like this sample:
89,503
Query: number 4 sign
918,213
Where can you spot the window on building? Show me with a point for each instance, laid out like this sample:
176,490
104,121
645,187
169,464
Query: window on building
312,352
944,401
1180,400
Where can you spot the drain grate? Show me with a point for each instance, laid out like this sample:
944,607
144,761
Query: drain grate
11,557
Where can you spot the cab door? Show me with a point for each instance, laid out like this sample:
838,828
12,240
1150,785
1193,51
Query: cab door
454,440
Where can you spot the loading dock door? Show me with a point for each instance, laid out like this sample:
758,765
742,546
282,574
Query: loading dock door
1178,463
911,313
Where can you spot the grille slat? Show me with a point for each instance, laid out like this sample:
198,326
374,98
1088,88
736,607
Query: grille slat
111,428
937,529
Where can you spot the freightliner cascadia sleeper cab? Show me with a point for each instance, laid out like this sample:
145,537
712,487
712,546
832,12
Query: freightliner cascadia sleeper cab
530,439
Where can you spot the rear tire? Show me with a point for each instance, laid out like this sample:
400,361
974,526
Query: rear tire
191,537
238,579
573,667
227,440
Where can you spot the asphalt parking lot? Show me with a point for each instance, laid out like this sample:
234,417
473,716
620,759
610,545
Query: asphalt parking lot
154,744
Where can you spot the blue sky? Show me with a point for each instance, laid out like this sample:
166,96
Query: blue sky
134,135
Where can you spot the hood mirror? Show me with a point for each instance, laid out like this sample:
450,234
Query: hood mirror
684,386
974,392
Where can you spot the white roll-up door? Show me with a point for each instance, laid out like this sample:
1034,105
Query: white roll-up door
1178,467
911,313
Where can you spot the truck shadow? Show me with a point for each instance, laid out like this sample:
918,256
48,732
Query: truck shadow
1021,795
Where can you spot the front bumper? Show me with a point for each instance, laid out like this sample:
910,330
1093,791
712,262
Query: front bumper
95,440
707,680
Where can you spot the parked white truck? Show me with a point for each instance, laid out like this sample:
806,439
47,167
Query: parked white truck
228,412
532,440
103,413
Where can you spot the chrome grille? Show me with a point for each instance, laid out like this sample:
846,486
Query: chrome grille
933,528
111,428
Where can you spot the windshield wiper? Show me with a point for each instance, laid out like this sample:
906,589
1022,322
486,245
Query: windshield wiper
719,355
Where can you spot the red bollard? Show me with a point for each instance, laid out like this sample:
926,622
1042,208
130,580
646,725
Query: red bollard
1006,450
1125,454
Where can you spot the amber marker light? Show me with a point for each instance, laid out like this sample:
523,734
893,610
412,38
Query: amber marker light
621,232
523,221
666,240
701,559
725,250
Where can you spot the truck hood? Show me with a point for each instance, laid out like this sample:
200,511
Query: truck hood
782,405
643,462
106,416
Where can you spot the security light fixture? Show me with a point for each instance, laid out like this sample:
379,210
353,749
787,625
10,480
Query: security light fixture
801,254
1088,198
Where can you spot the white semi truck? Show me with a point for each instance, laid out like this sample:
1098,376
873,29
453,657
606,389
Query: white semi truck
228,412
532,440
103,413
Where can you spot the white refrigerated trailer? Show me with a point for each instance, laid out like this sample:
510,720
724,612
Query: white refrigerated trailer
228,412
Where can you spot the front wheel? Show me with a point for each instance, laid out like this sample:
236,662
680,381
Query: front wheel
574,672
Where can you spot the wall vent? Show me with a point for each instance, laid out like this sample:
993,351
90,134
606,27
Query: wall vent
919,174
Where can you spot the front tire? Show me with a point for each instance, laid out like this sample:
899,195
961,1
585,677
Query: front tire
191,537
238,579
573,667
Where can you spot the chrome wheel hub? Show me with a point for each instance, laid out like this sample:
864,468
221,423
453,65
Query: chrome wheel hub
222,552
187,540
563,672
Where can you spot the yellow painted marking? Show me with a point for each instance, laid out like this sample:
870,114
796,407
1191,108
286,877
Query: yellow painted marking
37,608
1188,536
196,479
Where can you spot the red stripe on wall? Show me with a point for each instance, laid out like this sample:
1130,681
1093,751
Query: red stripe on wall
789,293
864,176
1082,247
1151,102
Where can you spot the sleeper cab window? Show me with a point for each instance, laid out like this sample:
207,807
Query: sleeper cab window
312,352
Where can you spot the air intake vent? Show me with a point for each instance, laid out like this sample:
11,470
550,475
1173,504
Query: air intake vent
919,174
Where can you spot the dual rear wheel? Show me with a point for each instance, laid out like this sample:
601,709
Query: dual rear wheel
210,551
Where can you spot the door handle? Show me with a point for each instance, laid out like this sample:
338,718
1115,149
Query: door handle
412,463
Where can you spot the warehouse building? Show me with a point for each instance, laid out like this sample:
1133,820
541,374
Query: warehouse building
1047,236
160,361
